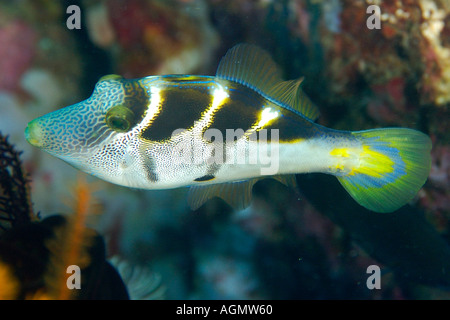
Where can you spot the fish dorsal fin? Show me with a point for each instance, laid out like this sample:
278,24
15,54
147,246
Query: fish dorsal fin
237,194
249,65
291,94
252,66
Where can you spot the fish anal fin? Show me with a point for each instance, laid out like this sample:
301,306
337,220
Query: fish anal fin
288,180
237,194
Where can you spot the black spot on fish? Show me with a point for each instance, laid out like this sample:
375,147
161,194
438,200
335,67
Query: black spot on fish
207,177
136,99
288,127
240,111
149,167
181,107
210,172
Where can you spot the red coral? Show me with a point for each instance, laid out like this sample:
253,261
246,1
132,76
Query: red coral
17,50
148,33
128,19
390,103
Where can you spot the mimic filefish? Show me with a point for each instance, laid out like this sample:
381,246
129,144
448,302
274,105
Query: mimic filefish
220,134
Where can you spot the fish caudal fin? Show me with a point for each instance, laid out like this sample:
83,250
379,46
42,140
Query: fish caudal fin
392,166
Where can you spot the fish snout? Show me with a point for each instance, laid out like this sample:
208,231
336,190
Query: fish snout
34,134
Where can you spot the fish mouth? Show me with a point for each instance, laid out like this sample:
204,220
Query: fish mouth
34,135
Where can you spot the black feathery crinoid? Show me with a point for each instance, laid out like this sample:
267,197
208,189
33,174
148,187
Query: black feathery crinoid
15,206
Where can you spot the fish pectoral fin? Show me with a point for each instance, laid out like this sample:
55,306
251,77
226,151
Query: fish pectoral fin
237,194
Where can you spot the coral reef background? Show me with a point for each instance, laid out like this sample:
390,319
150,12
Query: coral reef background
314,243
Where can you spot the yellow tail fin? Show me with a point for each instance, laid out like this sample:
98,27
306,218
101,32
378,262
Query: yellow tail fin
392,167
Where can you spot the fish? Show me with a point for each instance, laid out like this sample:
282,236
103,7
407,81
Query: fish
219,135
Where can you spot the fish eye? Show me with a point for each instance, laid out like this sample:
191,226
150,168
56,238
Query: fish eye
119,118
110,77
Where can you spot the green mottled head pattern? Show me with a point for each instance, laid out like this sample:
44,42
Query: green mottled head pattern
77,128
